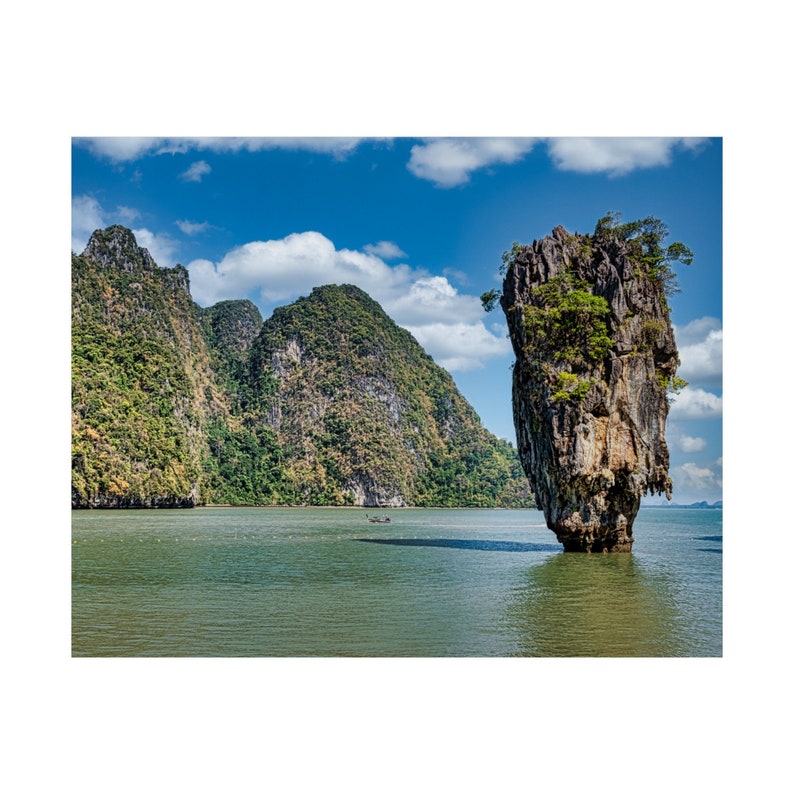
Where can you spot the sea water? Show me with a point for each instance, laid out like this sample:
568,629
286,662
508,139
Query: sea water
307,582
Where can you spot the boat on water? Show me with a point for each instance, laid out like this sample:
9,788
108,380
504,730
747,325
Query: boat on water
384,519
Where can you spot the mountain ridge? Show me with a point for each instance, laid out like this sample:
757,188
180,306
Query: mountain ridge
328,401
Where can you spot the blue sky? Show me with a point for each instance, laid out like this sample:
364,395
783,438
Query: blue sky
420,224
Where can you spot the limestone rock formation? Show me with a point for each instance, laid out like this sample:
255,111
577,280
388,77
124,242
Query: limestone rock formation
595,357
143,388
327,402
368,417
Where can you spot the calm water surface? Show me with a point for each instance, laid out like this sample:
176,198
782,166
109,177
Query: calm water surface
324,582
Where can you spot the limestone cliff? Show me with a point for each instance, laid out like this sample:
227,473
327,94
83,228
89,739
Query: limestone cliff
143,388
368,417
326,402
595,357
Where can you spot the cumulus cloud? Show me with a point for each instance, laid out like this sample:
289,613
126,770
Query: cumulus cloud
430,298
691,444
127,214
615,156
448,162
162,247
196,171
338,147
700,348
448,324
189,228
697,482
281,269
459,347
87,216
385,249
118,150
679,439
456,275
694,403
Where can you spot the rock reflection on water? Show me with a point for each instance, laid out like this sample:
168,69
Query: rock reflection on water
596,605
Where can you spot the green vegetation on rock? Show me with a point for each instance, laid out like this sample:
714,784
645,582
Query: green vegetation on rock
569,329
568,324
326,402
646,246
596,360
138,363
366,415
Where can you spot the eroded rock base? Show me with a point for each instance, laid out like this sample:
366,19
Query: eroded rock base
590,545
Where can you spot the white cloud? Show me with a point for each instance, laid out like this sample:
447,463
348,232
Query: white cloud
196,171
616,156
457,275
694,403
696,483
324,145
87,216
700,348
693,482
160,246
449,325
679,440
431,298
448,162
189,228
696,331
127,149
385,249
460,346
500,328
127,214
118,149
282,269
691,444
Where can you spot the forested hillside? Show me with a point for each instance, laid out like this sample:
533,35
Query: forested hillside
326,402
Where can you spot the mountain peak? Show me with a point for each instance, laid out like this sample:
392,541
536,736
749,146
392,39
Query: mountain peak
117,246
328,401
345,293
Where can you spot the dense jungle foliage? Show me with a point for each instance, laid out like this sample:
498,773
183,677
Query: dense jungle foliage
326,402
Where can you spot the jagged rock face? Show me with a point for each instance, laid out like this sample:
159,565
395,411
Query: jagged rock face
328,402
142,385
116,247
590,422
133,501
233,327
369,418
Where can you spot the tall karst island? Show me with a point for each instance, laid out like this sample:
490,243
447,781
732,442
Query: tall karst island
326,402
595,360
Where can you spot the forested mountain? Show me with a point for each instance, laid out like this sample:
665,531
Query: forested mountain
326,402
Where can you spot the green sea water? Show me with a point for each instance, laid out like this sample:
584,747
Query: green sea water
307,582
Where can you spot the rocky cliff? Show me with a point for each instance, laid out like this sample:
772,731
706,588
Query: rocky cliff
326,402
595,358
368,417
143,387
